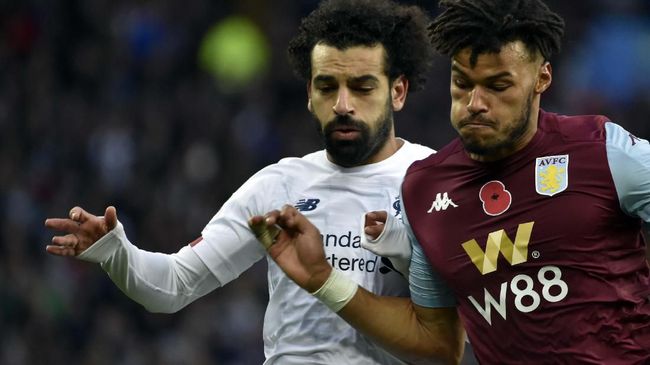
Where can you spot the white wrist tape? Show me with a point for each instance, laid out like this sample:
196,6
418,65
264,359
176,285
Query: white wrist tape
337,291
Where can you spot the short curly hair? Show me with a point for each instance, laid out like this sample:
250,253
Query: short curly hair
402,30
486,25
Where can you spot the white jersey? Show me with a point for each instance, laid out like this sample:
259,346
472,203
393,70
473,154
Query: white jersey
298,329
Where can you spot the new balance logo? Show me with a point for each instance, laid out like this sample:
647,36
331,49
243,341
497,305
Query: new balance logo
442,202
306,205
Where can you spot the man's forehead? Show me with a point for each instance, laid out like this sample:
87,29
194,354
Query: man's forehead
352,61
512,55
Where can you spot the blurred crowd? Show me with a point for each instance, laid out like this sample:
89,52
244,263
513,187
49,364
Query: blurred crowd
127,103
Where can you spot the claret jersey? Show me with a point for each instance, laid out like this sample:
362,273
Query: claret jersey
543,251
298,329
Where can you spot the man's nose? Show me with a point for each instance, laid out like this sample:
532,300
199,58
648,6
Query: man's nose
343,104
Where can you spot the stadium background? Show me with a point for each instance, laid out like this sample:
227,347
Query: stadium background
131,103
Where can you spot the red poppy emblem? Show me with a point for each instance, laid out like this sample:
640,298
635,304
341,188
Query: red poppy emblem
496,199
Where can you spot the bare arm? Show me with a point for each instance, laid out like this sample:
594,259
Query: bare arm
396,323
408,330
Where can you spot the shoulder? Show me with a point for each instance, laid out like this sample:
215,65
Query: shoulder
288,171
437,158
407,154
574,127
417,150
295,165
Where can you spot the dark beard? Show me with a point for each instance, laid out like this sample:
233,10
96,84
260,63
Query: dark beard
349,153
511,139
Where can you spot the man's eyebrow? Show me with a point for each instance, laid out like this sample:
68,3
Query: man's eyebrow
457,69
324,78
364,78
357,79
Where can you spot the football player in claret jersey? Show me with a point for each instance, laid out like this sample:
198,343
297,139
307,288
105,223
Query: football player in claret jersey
530,223
359,59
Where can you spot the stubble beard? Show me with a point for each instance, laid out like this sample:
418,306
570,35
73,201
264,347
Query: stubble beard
475,146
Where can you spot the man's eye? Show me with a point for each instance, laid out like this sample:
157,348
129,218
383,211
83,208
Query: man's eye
499,87
364,89
461,84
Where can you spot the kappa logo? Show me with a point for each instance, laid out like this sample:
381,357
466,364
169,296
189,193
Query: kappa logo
306,205
442,202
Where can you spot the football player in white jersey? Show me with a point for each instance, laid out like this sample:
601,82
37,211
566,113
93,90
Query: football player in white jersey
359,60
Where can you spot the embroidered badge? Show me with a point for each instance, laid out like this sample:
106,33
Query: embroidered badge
496,199
551,174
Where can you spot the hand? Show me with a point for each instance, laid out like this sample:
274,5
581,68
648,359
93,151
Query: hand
374,223
298,247
387,236
83,230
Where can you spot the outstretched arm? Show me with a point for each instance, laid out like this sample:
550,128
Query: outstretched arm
395,323
159,282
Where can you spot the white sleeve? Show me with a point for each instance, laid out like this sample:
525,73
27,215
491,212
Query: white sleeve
629,163
160,282
228,246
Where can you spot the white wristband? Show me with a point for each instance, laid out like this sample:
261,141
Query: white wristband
337,291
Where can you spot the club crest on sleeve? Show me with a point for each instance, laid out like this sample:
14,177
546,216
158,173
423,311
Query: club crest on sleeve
397,207
551,174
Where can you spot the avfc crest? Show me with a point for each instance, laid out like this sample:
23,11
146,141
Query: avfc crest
551,174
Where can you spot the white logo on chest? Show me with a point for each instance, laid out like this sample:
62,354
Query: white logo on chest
442,202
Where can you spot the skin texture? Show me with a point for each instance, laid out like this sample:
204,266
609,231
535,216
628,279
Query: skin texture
495,104
82,230
351,85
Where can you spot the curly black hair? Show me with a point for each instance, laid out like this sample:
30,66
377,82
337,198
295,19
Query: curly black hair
402,30
486,25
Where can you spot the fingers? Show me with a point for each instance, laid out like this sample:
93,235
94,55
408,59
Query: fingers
110,217
291,219
79,215
374,223
83,230
265,229
378,216
62,224
60,250
69,240
63,245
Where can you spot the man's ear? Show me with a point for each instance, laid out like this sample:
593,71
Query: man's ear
544,78
398,91
309,107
